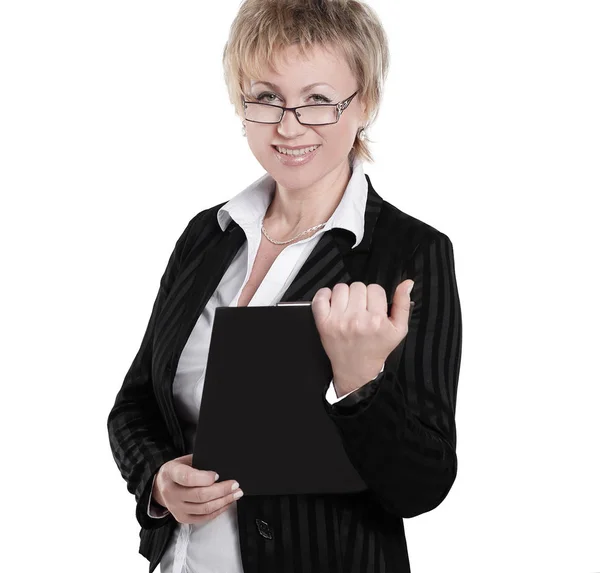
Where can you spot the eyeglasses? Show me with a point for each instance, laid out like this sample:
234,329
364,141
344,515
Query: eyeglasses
320,114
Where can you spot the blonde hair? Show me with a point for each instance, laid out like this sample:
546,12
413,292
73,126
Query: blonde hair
263,29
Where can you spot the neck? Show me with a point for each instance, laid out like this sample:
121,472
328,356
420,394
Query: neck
294,210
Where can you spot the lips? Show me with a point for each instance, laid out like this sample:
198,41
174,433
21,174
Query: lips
291,160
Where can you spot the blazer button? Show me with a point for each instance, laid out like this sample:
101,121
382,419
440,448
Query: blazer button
264,529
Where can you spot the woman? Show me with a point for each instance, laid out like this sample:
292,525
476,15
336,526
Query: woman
314,229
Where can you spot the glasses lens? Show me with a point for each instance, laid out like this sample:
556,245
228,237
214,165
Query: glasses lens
262,113
317,114
314,115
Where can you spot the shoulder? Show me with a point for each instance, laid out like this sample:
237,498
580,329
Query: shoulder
202,227
399,231
205,218
405,231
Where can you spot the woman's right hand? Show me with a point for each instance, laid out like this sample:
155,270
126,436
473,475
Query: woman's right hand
192,495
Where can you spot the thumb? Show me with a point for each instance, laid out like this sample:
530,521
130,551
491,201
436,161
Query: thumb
401,304
187,459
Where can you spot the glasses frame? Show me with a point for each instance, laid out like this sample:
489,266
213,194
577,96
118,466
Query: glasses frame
340,106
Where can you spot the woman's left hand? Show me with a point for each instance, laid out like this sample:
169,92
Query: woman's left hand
355,329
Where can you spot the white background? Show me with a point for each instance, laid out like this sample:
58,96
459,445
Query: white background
115,130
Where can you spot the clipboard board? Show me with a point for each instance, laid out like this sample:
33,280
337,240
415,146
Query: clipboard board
262,420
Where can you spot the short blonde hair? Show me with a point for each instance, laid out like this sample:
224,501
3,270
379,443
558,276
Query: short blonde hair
263,29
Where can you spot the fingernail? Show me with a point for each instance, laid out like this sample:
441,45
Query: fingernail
235,485
412,284
238,494
216,477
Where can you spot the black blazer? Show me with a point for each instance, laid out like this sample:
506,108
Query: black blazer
398,430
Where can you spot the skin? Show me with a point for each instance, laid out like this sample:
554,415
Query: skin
305,195
191,495
355,329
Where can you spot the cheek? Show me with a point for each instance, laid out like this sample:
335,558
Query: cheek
342,138
258,142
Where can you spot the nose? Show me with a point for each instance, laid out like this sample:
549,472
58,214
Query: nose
289,126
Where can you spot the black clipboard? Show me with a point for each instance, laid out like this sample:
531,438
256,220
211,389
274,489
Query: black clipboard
262,420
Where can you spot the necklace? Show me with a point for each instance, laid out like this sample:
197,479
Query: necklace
286,242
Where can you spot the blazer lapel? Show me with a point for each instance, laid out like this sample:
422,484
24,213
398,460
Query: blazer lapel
333,260
216,258
200,276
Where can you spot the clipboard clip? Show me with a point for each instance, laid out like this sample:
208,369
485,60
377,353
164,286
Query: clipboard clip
309,303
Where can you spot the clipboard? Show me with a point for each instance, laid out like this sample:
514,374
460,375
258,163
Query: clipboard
262,420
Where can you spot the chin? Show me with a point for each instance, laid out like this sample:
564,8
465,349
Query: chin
296,177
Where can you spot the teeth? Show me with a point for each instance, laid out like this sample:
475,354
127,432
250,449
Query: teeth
296,151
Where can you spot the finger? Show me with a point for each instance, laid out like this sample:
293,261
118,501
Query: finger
198,519
188,476
320,304
212,505
339,299
401,305
357,297
204,494
376,300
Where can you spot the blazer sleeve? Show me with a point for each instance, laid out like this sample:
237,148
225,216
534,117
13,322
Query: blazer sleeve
399,429
138,436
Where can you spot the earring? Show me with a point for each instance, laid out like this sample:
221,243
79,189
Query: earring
361,134
244,129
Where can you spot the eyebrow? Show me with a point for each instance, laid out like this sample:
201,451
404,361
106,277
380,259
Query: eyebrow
303,90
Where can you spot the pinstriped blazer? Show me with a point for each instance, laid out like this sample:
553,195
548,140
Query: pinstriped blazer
398,430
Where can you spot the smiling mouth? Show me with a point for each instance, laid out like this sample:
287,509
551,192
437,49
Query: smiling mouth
297,152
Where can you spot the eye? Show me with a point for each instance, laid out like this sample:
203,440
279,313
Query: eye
322,98
262,95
